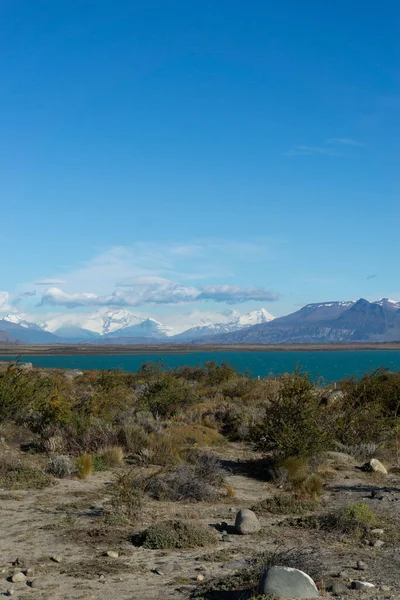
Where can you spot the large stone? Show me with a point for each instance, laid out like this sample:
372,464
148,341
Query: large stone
377,466
18,577
247,522
362,585
285,582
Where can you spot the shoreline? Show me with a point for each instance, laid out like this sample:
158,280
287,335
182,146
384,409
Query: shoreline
81,349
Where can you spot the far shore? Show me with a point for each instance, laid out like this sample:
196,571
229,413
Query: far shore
88,349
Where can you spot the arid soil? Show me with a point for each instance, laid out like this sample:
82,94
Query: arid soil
64,523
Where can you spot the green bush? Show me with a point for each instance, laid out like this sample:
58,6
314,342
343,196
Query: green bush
176,534
354,519
293,424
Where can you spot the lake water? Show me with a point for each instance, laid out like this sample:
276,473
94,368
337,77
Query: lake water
329,365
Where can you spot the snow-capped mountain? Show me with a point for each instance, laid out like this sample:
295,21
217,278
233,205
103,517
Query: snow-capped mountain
19,320
147,329
101,322
388,303
238,322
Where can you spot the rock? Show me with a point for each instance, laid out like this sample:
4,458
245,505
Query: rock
344,575
112,554
377,531
377,466
30,572
361,566
340,458
286,582
168,568
10,592
226,538
18,577
384,588
38,583
247,522
200,577
57,558
338,588
362,585
378,544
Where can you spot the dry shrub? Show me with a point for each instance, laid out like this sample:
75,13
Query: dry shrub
295,473
127,496
134,438
181,484
195,434
112,456
53,444
19,474
284,504
175,534
230,491
354,520
61,466
85,466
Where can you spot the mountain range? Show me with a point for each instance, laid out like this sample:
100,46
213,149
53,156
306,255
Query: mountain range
327,322
109,326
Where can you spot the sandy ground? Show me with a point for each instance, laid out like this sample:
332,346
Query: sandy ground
65,520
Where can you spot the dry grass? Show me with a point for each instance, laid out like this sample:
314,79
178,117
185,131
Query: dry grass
85,466
112,456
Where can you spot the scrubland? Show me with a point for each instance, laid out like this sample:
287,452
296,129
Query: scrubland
127,485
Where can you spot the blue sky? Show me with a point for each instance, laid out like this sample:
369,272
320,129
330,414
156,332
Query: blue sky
205,155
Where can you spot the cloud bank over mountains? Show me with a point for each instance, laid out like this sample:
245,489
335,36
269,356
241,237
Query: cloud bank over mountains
153,291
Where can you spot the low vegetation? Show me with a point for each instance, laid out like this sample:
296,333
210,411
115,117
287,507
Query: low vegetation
162,447
175,534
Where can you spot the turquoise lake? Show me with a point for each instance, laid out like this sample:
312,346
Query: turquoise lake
330,366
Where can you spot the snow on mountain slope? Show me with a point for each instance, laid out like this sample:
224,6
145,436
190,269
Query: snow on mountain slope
149,329
236,323
19,320
102,321
254,318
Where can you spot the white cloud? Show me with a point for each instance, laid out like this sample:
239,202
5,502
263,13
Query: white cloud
328,148
50,282
346,142
4,302
310,150
157,291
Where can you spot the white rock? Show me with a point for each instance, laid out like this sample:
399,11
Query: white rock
286,582
112,554
377,466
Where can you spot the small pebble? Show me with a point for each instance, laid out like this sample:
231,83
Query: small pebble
361,566
200,577
226,538
57,558
379,544
112,554
101,577
344,575
10,592
18,577
30,572
377,531
384,588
